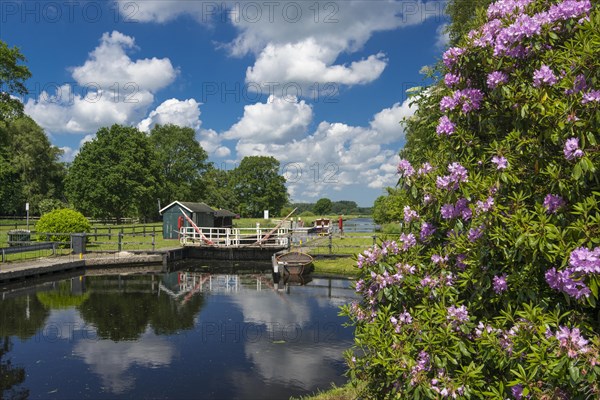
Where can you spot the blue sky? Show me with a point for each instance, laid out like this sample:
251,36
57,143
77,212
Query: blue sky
319,85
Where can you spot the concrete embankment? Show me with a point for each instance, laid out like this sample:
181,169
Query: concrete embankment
16,271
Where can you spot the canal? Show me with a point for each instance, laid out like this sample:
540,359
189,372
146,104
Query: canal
186,334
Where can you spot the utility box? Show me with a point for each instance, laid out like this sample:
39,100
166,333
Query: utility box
19,237
78,243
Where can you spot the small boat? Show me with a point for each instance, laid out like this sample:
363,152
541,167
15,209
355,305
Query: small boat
295,262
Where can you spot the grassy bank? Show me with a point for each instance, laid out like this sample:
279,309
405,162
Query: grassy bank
346,392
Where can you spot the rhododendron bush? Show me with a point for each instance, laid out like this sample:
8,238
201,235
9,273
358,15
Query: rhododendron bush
491,289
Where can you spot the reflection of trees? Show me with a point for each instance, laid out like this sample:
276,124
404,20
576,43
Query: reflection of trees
62,297
122,308
21,316
10,376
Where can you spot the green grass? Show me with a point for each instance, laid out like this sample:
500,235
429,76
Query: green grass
344,266
346,392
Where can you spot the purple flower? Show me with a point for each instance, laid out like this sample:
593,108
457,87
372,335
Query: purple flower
448,103
425,169
572,341
437,259
405,169
564,281
458,173
552,203
458,314
470,98
451,79
445,126
408,241
496,78
447,211
427,230
499,283
475,233
502,8
427,198
544,76
501,162
590,96
517,392
572,150
410,214
585,261
459,261
450,56
484,206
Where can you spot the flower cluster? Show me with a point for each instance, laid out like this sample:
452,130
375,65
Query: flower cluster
405,169
501,162
571,341
553,203
458,174
591,96
572,150
582,262
496,78
544,76
469,99
458,314
410,214
499,283
427,230
482,206
460,209
445,126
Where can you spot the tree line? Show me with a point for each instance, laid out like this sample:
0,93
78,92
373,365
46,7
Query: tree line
122,172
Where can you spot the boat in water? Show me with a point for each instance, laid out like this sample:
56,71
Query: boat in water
294,262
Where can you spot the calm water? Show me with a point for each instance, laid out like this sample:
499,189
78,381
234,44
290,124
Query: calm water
178,335
360,225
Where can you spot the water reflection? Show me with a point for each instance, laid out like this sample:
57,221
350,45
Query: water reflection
217,335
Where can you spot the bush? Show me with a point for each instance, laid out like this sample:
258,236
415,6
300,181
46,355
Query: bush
63,220
307,214
491,290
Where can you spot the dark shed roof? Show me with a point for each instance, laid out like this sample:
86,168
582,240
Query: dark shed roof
224,213
192,207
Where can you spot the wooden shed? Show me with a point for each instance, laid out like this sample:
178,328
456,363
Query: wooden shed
200,213
224,218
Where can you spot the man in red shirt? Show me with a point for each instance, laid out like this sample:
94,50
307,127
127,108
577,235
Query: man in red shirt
341,225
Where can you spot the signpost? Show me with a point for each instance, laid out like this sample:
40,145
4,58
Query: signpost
27,209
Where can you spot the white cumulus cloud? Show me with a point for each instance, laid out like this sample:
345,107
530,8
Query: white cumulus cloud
184,113
110,88
279,120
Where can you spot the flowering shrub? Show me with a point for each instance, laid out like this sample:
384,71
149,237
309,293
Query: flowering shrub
491,290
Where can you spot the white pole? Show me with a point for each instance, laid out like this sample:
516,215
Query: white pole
27,209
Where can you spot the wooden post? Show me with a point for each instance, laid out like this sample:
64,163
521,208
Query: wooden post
153,242
120,236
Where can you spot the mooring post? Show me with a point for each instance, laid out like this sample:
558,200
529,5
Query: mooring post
374,240
120,236
153,242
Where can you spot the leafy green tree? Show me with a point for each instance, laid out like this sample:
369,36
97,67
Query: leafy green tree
12,82
182,161
322,206
215,188
259,186
344,207
115,175
463,15
30,167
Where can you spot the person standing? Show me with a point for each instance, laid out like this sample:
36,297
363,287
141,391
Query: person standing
341,225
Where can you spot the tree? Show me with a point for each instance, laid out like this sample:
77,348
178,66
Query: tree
30,167
496,272
215,188
259,186
322,206
12,82
115,175
346,207
182,161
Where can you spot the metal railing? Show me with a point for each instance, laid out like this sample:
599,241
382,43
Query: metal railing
234,237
